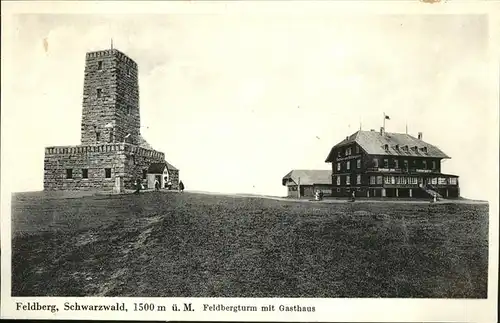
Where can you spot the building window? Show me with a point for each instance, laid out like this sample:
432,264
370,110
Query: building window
358,163
99,65
405,163
424,164
452,181
379,180
144,173
386,163
357,149
347,180
433,164
348,164
99,93
396,163
433,181
375,162
107,172
339,154
387,179
373,180
338,180
338,166
386,147
97,136
358,179
69,173
85,173
442,181
111,136
128,71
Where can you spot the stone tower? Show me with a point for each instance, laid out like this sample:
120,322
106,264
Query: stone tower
112,155
110,99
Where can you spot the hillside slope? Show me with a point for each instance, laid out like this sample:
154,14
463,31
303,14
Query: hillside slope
160,244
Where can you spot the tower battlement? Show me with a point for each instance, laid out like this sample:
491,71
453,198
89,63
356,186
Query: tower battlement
110,52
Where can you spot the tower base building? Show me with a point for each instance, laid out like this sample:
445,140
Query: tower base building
112,155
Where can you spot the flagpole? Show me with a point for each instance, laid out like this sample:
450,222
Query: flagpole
384,122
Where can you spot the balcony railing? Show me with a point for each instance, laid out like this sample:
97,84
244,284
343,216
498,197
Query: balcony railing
401,170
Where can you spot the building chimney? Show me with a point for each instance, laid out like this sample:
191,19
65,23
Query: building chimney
382,131
420,136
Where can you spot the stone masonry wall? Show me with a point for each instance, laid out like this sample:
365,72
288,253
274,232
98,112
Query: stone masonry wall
119,157
174,178
137,161
110,96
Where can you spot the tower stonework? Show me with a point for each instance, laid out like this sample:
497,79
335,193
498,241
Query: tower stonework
112,151
110,99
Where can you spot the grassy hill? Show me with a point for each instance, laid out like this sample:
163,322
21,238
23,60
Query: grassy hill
160,244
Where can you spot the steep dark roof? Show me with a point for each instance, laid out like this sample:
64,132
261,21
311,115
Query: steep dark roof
373,143
157,168
308,177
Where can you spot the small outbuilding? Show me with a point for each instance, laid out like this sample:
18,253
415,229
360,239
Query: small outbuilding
304,182
166,174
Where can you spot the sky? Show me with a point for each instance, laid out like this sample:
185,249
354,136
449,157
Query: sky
236,101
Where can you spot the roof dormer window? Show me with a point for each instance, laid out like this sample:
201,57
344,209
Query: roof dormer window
423,149
386,147
396,147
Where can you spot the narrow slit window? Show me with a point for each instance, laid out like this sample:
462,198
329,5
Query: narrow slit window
107,172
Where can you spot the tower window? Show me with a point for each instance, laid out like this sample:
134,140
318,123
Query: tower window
128,71
127,110
107,172
69,173
99,65
97,136
99,93
144,173
85,173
